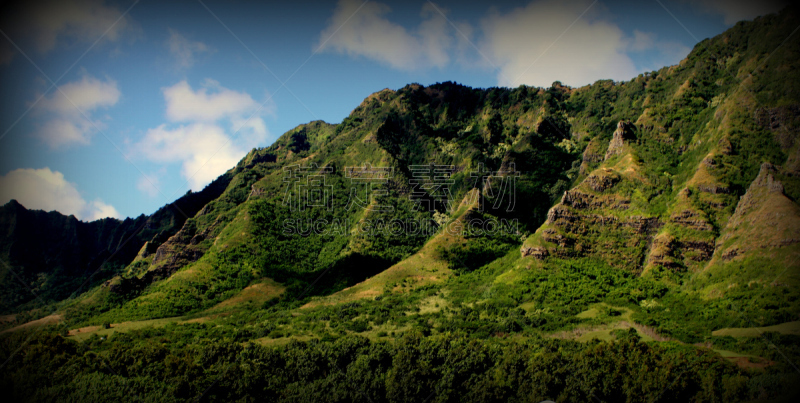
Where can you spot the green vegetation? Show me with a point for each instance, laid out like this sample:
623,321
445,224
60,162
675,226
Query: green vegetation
181,362
648,253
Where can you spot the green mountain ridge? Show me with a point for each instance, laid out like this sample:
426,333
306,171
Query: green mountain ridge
48,256
647,201
661,209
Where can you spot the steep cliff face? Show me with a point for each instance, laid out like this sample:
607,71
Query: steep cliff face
381,166
703,129
617,145
596,218
758,251
765,222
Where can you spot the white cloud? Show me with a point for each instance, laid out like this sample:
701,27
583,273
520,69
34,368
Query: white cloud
43,189
98,210
64,109
204,149
60,132
199,142
537,44
184,50
185,104
368,33
46,24
87,94
528,46
734,11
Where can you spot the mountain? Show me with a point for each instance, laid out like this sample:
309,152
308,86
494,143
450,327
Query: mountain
447,219
49,257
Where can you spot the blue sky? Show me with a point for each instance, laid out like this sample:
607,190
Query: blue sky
115,108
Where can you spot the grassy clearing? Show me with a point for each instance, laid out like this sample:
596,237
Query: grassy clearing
730,354
610,318
602,309
604,332
783,328
47,320
248,298
386,331
432,304
746,361
252,296
86,332
279,341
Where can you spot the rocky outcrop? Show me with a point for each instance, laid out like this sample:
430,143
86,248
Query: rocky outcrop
764,219
730,254
255,191
560,214
714,189
672,253
643,225
583,225
577,199
181,249
688,237
662,252
147,249
765,181
537,252
691,219
553,236
698,251
624,132
602,180
709,161
593,220
593,153
784,121
724,146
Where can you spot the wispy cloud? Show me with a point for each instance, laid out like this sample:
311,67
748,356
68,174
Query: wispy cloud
185,51
43,189
211,102
46,24
66,109
546,40
369,33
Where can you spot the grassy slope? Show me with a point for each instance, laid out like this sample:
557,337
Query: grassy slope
694,154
